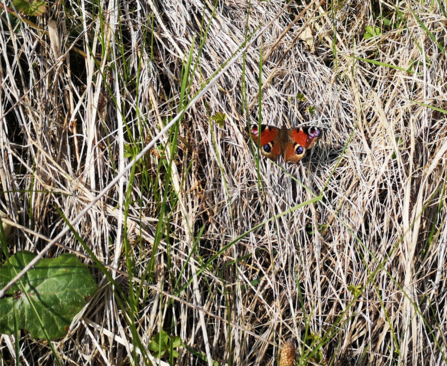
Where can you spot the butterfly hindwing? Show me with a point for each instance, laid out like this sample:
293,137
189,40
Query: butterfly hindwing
299,141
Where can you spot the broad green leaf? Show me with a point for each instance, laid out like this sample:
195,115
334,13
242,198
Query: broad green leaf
156,350
57,287
162,338
159,344
162,343
31,8
176,341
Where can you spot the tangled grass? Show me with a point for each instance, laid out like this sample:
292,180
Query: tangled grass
344,252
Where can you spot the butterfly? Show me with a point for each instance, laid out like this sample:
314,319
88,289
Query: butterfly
291,143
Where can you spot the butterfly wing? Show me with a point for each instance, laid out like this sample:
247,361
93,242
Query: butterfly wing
269,142
299,141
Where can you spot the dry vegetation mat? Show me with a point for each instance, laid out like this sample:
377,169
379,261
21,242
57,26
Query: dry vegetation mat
124,138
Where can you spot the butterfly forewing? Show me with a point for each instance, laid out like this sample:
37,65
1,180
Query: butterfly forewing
269,143
313,135
268,134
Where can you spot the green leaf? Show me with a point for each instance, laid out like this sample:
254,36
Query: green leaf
219,119
301,97
355,290
256,282
156,350
311,110
176,341
130,151
159,344
399,143
58,289
371,32
30,8
162,338
162,343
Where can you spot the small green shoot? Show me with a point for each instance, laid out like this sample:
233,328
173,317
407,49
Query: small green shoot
387,22
219,119
355,290
371,32
399,145
162,343
130,151
301,97
311,110
311,339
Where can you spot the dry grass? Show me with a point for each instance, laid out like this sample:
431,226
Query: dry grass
356,276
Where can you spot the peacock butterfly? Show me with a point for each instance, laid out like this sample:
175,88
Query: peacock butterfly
291,143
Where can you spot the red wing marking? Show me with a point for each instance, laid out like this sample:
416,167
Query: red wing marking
268,134
300,137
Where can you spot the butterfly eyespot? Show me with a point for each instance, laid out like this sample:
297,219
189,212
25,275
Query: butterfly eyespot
267,148
299,150
314,132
